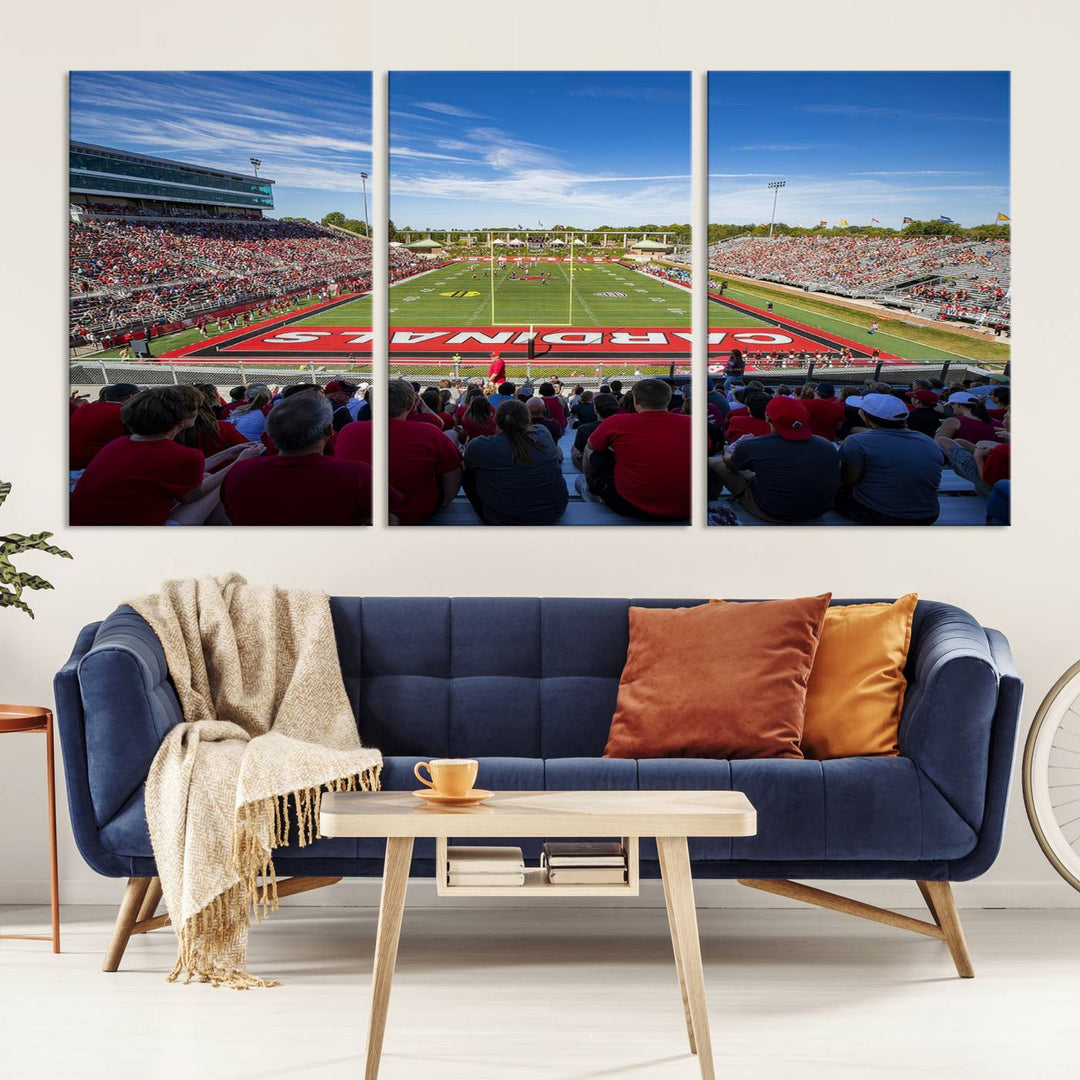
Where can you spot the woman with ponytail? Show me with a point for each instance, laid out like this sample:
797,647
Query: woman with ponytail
515,477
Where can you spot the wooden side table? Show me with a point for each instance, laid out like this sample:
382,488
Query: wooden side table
34,718
669,816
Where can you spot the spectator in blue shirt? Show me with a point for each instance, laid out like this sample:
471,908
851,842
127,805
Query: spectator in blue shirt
890,474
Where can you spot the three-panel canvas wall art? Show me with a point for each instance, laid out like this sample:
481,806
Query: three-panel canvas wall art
227,261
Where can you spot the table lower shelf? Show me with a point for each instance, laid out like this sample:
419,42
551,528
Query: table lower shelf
536,882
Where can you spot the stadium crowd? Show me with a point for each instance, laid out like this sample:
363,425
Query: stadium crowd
181,455
854,265
499,443
875,454
127,272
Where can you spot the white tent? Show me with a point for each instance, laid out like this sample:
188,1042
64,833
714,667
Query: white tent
579,240
395,243
517,243
558,243
499,241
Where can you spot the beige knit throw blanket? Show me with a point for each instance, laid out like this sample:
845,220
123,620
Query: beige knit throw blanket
267,724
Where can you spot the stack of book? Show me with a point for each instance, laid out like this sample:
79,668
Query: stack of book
592,863
485,866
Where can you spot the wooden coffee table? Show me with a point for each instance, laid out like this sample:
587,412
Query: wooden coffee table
669,816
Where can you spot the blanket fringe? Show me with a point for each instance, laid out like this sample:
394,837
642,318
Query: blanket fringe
213,942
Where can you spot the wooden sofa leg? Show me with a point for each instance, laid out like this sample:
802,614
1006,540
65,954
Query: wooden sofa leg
150,902
939,899
134,894
937,894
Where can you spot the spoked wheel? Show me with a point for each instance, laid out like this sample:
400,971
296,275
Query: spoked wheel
1052,776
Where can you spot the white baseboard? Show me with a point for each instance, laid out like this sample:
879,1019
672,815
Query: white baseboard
364,893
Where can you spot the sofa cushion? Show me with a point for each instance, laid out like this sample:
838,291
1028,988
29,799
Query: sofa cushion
846,810
857,687
721,681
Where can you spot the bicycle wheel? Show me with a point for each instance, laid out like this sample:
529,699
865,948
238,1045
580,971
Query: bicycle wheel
1052,776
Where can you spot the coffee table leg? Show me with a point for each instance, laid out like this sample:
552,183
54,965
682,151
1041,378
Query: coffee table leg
677,950
679,885
391,908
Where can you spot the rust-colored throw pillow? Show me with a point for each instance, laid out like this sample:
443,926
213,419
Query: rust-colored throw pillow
856,691
718,680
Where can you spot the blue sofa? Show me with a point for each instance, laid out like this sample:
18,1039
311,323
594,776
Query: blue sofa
528,686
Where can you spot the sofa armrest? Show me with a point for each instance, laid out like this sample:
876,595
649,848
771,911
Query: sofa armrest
1003,744
128,705
949,709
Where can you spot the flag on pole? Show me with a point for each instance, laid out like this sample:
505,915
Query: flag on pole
822,224
908,221
539,224
843,223
875,221
946,220
1003,217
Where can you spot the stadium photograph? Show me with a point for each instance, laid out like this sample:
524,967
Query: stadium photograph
209,211
539,301
859,292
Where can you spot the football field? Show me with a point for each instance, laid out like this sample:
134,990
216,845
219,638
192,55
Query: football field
603,295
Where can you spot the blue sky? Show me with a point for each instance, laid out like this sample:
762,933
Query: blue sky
312,130
469,149
859,145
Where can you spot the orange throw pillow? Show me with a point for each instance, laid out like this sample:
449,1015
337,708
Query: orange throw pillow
718,680
856,691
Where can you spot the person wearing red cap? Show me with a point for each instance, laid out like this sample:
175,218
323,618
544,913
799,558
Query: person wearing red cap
925,415
341,395
497,370
788,476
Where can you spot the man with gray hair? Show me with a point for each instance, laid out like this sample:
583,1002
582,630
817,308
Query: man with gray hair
299,485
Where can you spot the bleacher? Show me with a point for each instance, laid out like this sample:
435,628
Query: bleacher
956,497
583,508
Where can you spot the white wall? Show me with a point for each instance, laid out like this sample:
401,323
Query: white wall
1023,580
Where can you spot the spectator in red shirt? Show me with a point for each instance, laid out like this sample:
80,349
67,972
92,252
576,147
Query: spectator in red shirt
970,422
751,420
434,401
983,463
147,478
478,418
538,417
299,485
826,413
425,466
95,425
497,370
639,462
208,434
237,397
555,407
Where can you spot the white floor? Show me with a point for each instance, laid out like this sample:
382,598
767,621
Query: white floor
541,993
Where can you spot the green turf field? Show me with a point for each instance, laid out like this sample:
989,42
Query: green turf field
421,301
912,342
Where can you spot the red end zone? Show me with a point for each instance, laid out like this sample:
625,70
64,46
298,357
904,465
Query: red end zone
443,342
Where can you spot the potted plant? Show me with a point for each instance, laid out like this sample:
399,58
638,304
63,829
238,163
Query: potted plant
12,580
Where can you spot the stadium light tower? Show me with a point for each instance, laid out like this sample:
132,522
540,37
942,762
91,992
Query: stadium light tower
363,184
256,164
775,187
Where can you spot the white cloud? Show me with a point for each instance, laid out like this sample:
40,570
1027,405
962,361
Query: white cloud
446,109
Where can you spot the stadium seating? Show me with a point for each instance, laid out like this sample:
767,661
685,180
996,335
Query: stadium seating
858,266
128,271
579,511
956,497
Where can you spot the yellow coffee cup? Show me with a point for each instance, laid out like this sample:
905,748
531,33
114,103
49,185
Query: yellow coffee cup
449,776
